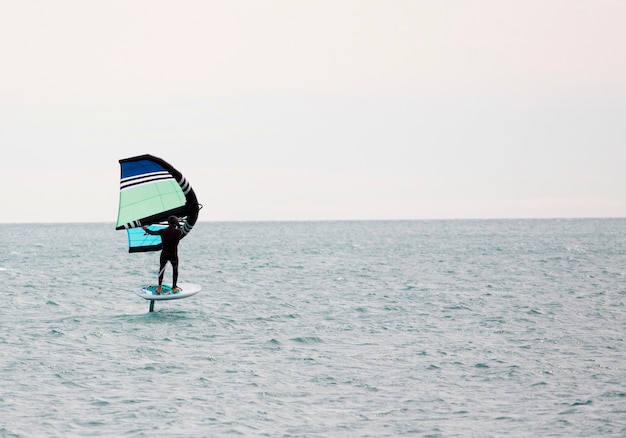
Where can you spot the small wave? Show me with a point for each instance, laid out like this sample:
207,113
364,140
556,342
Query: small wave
457,307
307,340
581,403
614,394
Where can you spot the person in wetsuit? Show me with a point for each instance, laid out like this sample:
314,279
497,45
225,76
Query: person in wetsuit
170,237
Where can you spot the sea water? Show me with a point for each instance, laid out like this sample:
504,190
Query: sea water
318,329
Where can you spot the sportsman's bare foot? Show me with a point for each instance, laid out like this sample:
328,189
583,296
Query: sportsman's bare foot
158,290
175,289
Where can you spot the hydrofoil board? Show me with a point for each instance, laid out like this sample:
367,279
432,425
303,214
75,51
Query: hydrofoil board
185,290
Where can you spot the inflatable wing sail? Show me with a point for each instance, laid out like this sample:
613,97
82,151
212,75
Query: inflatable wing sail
151,190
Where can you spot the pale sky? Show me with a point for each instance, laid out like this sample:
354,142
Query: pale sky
308,110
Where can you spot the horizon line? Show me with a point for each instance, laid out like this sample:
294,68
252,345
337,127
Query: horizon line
339,220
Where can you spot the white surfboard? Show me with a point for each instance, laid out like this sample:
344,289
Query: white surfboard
186,290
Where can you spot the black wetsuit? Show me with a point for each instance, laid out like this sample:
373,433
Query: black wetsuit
170,237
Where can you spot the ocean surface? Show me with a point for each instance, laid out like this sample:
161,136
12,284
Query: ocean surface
318,329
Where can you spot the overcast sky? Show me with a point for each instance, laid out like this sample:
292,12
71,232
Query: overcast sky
306,110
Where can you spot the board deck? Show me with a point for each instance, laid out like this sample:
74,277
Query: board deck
186,290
